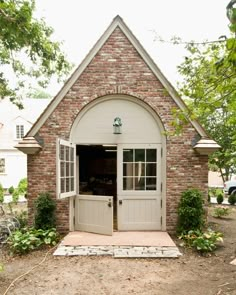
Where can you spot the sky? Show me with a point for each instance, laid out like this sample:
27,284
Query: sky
79,24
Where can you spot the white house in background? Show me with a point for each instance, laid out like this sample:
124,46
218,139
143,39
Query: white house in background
14,124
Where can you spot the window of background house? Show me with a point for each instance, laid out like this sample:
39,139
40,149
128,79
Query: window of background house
2,165
19,131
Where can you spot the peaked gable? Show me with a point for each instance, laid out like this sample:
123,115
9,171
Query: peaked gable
117,23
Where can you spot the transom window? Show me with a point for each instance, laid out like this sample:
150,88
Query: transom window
140,169
2,165
19,131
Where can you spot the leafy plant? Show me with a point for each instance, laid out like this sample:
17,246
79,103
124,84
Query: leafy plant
22,186
1,194
202,241
11,190
190,211
26,240
232,199
15,196
28,49
220,198
22,217
45,211
220,212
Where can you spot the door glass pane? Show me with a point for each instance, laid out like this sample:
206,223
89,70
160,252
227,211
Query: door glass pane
67,169
151,169
72,154
71,169
151,184
139,183
67,184
128,183
72,184
139,155
67,153
127,155
62,164
128,169
140,169
62,185
62,154
151,155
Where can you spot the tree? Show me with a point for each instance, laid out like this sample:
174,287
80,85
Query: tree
26,49
209,73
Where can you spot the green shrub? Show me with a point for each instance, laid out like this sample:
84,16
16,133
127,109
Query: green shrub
15,196
22,186
232,199
1,194
190,211
22,217
220,198
26,240
11,190
45,211
202,241
220,212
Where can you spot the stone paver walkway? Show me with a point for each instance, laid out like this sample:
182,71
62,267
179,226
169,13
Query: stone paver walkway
119,251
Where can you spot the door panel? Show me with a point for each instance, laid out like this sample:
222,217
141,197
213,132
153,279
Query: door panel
138,213
139,187
94,214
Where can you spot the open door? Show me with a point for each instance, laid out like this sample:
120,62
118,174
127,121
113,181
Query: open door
94,214
94,200
66,168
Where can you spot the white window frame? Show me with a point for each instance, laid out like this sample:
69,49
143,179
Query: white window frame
4,161
71,193
19,131
121,191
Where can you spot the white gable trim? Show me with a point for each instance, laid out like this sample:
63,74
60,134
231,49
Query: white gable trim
117,22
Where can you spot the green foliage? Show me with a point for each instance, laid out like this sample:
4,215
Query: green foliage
220,212
22,217
232,199
22,186
209,77
45,211
20,190
38,94
26,240
27,48
1,194
11,189
209,90
190,211
15,195
202,241
220,198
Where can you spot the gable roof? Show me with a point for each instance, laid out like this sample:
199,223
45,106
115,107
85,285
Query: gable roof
117,22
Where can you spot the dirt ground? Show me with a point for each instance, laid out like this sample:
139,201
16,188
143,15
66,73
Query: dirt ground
189,274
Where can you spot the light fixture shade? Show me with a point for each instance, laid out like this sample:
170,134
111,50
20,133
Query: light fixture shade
117,126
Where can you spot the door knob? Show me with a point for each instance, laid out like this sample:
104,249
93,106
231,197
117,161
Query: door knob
109,204
120,202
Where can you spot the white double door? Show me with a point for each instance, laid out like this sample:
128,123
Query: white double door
138,194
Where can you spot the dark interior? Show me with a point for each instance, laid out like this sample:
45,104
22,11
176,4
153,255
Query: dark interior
97,171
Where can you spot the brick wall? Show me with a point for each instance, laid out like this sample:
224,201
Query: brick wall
117,67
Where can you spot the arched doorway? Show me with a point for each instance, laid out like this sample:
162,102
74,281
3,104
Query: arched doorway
120,177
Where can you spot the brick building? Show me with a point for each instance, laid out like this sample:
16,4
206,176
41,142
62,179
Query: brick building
102,147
